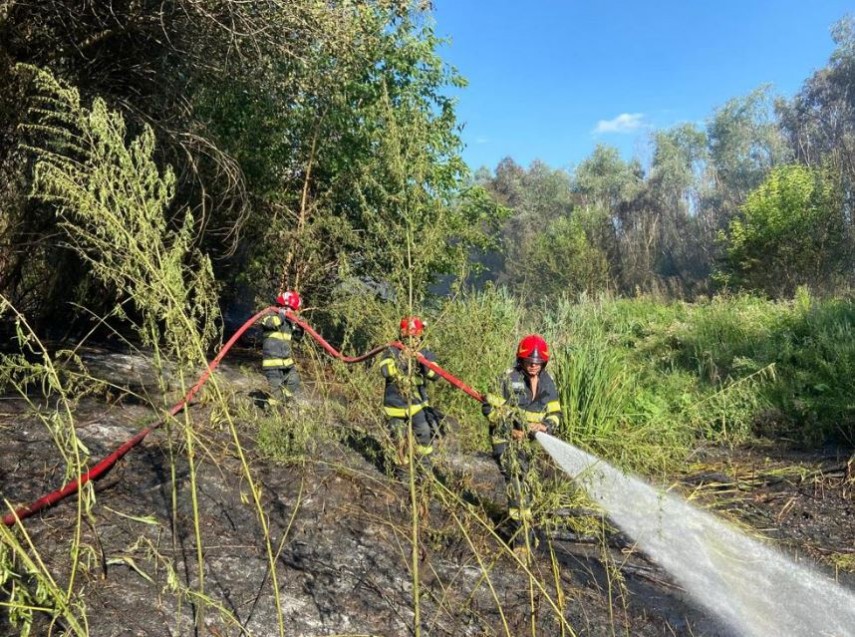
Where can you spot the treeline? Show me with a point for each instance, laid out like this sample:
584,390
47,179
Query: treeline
758,199
313,145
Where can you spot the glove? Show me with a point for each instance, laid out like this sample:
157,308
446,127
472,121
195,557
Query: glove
495,407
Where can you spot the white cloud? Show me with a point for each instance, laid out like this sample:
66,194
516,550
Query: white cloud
482,140
623,123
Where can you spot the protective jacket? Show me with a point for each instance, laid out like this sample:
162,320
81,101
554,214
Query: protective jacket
405,393
279,332
516,406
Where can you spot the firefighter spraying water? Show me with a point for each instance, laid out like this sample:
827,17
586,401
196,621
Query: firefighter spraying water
754,589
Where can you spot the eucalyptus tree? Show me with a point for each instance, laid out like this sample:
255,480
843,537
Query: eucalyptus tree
674,195
745,143
651,227
606,188
605,181
543,196
546,241
819,122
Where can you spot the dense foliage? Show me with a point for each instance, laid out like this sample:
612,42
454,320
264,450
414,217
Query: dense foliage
312,143
792,231
329,161
712,208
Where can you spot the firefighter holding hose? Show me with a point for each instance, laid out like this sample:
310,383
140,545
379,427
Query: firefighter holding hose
277,362
405,399
527,403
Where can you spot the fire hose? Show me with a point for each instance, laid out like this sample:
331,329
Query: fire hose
109,461
456,382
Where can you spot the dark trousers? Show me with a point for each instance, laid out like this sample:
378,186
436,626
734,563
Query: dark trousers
514,460
423,436
284,382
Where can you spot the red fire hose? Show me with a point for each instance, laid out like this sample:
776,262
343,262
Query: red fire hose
107,463
104,465
355,359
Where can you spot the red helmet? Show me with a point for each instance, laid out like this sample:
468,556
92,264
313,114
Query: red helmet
289,299
533,349
412,326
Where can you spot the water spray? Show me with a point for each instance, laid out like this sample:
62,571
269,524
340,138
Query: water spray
753,588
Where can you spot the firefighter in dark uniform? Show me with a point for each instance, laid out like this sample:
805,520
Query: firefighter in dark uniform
405,399
277,362
527,403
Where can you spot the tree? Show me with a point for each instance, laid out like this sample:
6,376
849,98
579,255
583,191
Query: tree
605,181
361,167
536,198
149,60
281,165
745,142
674,195
820,120
651,223
791,232
562,260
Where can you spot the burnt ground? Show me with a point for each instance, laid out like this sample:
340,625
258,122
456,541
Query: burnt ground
341,529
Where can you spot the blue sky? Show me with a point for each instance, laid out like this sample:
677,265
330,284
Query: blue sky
550,79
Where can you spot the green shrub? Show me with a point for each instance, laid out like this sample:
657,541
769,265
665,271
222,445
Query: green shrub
474,337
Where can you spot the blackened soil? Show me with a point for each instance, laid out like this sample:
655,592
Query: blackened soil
339,530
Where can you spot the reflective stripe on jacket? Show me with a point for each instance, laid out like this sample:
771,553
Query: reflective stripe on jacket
278,335
405,393
516,394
